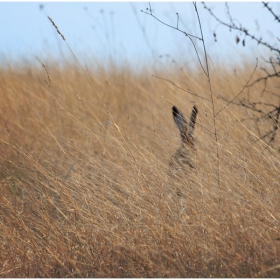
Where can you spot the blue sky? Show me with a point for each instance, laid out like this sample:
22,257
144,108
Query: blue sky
114,30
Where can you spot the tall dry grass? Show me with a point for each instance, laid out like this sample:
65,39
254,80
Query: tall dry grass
85,190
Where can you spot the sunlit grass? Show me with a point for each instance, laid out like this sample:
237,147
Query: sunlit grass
85,185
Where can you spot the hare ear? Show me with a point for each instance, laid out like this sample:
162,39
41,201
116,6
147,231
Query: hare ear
192,120
179,119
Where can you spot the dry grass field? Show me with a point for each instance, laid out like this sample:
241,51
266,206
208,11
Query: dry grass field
85,182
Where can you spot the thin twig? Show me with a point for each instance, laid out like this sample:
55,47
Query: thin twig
188,91
271,11
265,78
176,28
211,93
240,91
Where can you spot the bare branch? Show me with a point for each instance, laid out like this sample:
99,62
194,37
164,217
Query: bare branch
271,11
243,30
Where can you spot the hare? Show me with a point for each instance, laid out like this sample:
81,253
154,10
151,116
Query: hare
183,158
